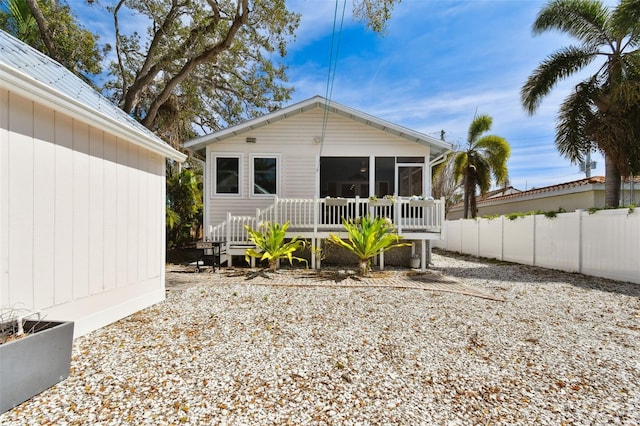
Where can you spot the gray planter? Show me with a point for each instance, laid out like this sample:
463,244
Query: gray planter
336,201
35,362
381,202
421,203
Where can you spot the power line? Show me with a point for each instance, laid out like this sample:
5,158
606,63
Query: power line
332,72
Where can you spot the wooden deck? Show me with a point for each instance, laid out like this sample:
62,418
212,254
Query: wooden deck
316,218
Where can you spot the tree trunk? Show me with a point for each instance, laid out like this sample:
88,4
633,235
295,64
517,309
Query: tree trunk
44,30
467,181
611,184
472,203
273,265
363,267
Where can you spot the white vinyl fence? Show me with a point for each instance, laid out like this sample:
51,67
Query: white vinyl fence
603,244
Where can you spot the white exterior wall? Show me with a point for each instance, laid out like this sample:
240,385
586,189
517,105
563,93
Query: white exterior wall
82,218
604,244
293,140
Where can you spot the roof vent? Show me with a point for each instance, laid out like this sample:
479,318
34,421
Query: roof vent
251,140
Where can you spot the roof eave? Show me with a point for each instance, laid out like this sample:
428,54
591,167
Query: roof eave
30,88
200,143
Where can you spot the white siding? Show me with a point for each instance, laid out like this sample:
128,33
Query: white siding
82,218
293,139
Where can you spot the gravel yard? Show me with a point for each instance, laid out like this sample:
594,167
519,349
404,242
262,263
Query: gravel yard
558,349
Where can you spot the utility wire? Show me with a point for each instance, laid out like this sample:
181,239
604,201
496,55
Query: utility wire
332,70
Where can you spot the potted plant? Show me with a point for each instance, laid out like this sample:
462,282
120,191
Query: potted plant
387,200
35,354
415,261
420,201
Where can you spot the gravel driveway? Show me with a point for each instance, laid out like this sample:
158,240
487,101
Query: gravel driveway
558,349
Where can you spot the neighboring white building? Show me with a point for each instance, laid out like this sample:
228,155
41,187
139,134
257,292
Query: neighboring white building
312,150
579,194
82,193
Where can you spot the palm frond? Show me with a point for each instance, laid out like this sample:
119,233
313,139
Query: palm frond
482,173
575,112
479,125
557,66
460,165
626,20
586,20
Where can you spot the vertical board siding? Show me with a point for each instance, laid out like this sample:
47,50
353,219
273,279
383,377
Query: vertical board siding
133,214
43,217
605,244
80,229
110,197
4,197
82,217
96,211
122,202
20,232
63,209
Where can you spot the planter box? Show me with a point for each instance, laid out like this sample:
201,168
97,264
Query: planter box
381,202
35,362
421,203
336,201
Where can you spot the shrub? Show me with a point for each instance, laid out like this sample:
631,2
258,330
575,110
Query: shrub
368,238
270,243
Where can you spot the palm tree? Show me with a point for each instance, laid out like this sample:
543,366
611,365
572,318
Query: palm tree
17,19
603,105
485,155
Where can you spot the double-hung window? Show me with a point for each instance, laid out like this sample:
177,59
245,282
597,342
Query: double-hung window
264,173
227,175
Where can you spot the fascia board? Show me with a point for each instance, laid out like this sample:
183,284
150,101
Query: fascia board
30,88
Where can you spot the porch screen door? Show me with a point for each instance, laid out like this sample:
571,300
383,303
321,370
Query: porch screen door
409,180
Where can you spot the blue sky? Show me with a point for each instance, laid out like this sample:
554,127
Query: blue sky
439,62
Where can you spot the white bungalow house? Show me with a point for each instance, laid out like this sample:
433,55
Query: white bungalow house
82,197
313,163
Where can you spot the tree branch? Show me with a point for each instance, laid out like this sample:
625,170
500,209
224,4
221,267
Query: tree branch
238,21
44,29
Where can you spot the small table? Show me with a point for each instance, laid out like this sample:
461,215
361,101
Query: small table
210,254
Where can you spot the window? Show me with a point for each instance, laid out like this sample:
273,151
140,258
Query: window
227,175
344,176
265,175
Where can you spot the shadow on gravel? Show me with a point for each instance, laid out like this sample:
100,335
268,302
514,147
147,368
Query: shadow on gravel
506,271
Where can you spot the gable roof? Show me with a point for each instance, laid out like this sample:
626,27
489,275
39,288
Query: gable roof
438,147
30,73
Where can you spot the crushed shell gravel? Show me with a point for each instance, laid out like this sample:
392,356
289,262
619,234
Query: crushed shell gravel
560,349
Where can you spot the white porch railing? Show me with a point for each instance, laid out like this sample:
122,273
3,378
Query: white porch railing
318,216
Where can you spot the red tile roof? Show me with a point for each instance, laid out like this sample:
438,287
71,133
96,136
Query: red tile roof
552,188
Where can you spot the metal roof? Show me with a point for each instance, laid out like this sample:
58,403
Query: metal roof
26,71
438,147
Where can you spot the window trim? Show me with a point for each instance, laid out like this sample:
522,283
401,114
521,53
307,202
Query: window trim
252,157
214,176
